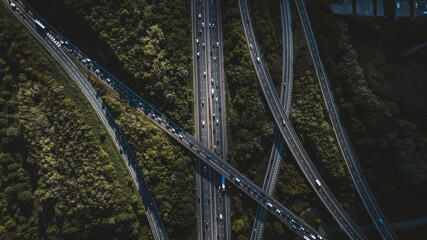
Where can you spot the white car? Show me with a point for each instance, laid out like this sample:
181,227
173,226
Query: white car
258,60
216,100
203,123
200,15
250,46
204,73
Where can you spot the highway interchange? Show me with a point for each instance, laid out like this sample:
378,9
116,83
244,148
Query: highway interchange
359,180
210,157
200,150
291,138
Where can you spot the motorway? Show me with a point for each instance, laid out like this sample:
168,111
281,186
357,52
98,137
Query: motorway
285,98
204,173
289,218
291,138
359,180
217,109
50,42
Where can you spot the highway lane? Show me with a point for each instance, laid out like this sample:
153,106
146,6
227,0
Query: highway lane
217,108
292,140
106,119
200,150
359,180
202,115
285,98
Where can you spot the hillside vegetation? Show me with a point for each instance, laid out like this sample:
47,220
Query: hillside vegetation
167,167
61,177
147,44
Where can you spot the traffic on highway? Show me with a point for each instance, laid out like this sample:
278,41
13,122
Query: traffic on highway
187,140
57,46
279,144
209,144
288,133
359,180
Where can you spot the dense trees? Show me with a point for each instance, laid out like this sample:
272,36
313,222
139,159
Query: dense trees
168,169
57,179
145,43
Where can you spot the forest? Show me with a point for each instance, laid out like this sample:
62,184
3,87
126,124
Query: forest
147,44
61,177
167,167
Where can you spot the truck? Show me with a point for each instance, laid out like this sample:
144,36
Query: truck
223,184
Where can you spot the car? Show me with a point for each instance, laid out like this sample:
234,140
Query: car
213,116
204,73
200,15
213,44
213,93
203,45
213,25
212,82
320,69
197,41
284,85
173,130
210,25
200,33
217,153
216,100
159,120
214,131
217,141
312,236
203,25
306,238
206,225
258,60
217,122
203,103
203,123
198,198
214,147
220,217
250,46
121,151
217,44
108,80
198,54
380,220
283,122
204,169
180,136
209,199
320,237
214,59
220,195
